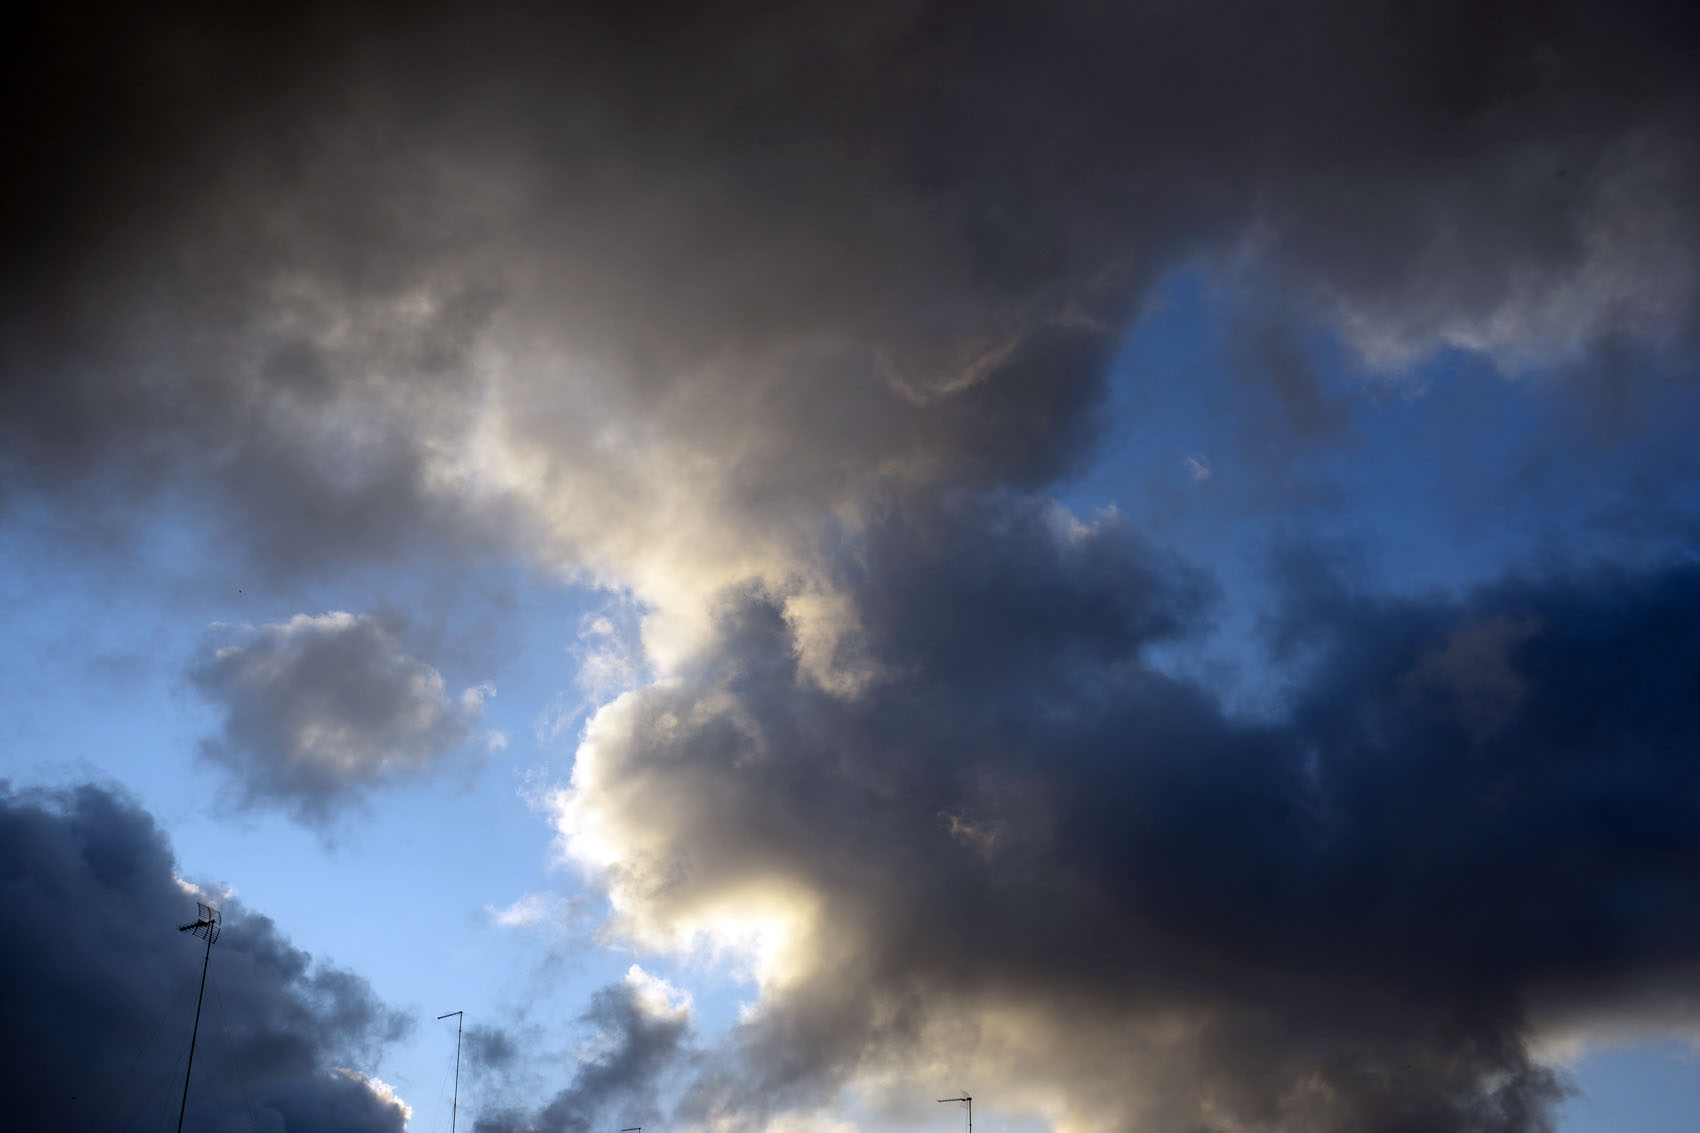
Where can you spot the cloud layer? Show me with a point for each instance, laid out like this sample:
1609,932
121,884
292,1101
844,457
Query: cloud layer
106,989
657,297
782,319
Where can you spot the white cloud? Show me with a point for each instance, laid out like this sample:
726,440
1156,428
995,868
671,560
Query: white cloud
380,1089
657,997
537,910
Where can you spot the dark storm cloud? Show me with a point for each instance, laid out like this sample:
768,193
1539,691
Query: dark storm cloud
319,710
102,990
772,256
1030,856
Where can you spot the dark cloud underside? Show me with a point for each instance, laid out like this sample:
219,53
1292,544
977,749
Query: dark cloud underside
1475,812
102,994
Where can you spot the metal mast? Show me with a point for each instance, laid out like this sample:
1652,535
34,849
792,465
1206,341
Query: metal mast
454,1106
205,925
964,1098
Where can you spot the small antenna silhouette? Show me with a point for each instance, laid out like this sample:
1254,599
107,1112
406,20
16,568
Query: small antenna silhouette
632,1129
454,1106
966,1097
206,925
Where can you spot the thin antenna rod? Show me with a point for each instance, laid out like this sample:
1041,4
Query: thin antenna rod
964,1098
454,1106
632,1129
205,925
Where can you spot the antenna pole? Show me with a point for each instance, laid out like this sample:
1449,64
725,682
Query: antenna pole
454,1106
207,925
194,1036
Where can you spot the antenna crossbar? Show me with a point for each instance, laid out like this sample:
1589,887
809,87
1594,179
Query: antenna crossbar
966,1097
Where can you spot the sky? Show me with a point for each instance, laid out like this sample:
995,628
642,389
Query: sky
1140,562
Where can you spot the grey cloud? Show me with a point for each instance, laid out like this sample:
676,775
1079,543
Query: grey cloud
321,710
91,904
490,1047
640,1048
1344,919
766,262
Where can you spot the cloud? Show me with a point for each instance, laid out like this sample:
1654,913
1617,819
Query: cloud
777,318
770,274
1475,668
383,1091
321,710
490,1047
642,1035
1353,916
550,911
91,903
657,997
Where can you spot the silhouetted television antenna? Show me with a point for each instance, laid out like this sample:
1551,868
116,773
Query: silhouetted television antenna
632,1129
454,1106
206,924
964,1098
969,1108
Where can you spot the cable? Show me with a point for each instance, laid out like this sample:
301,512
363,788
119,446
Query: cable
169,1075
189,979
442,1088
235,1059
